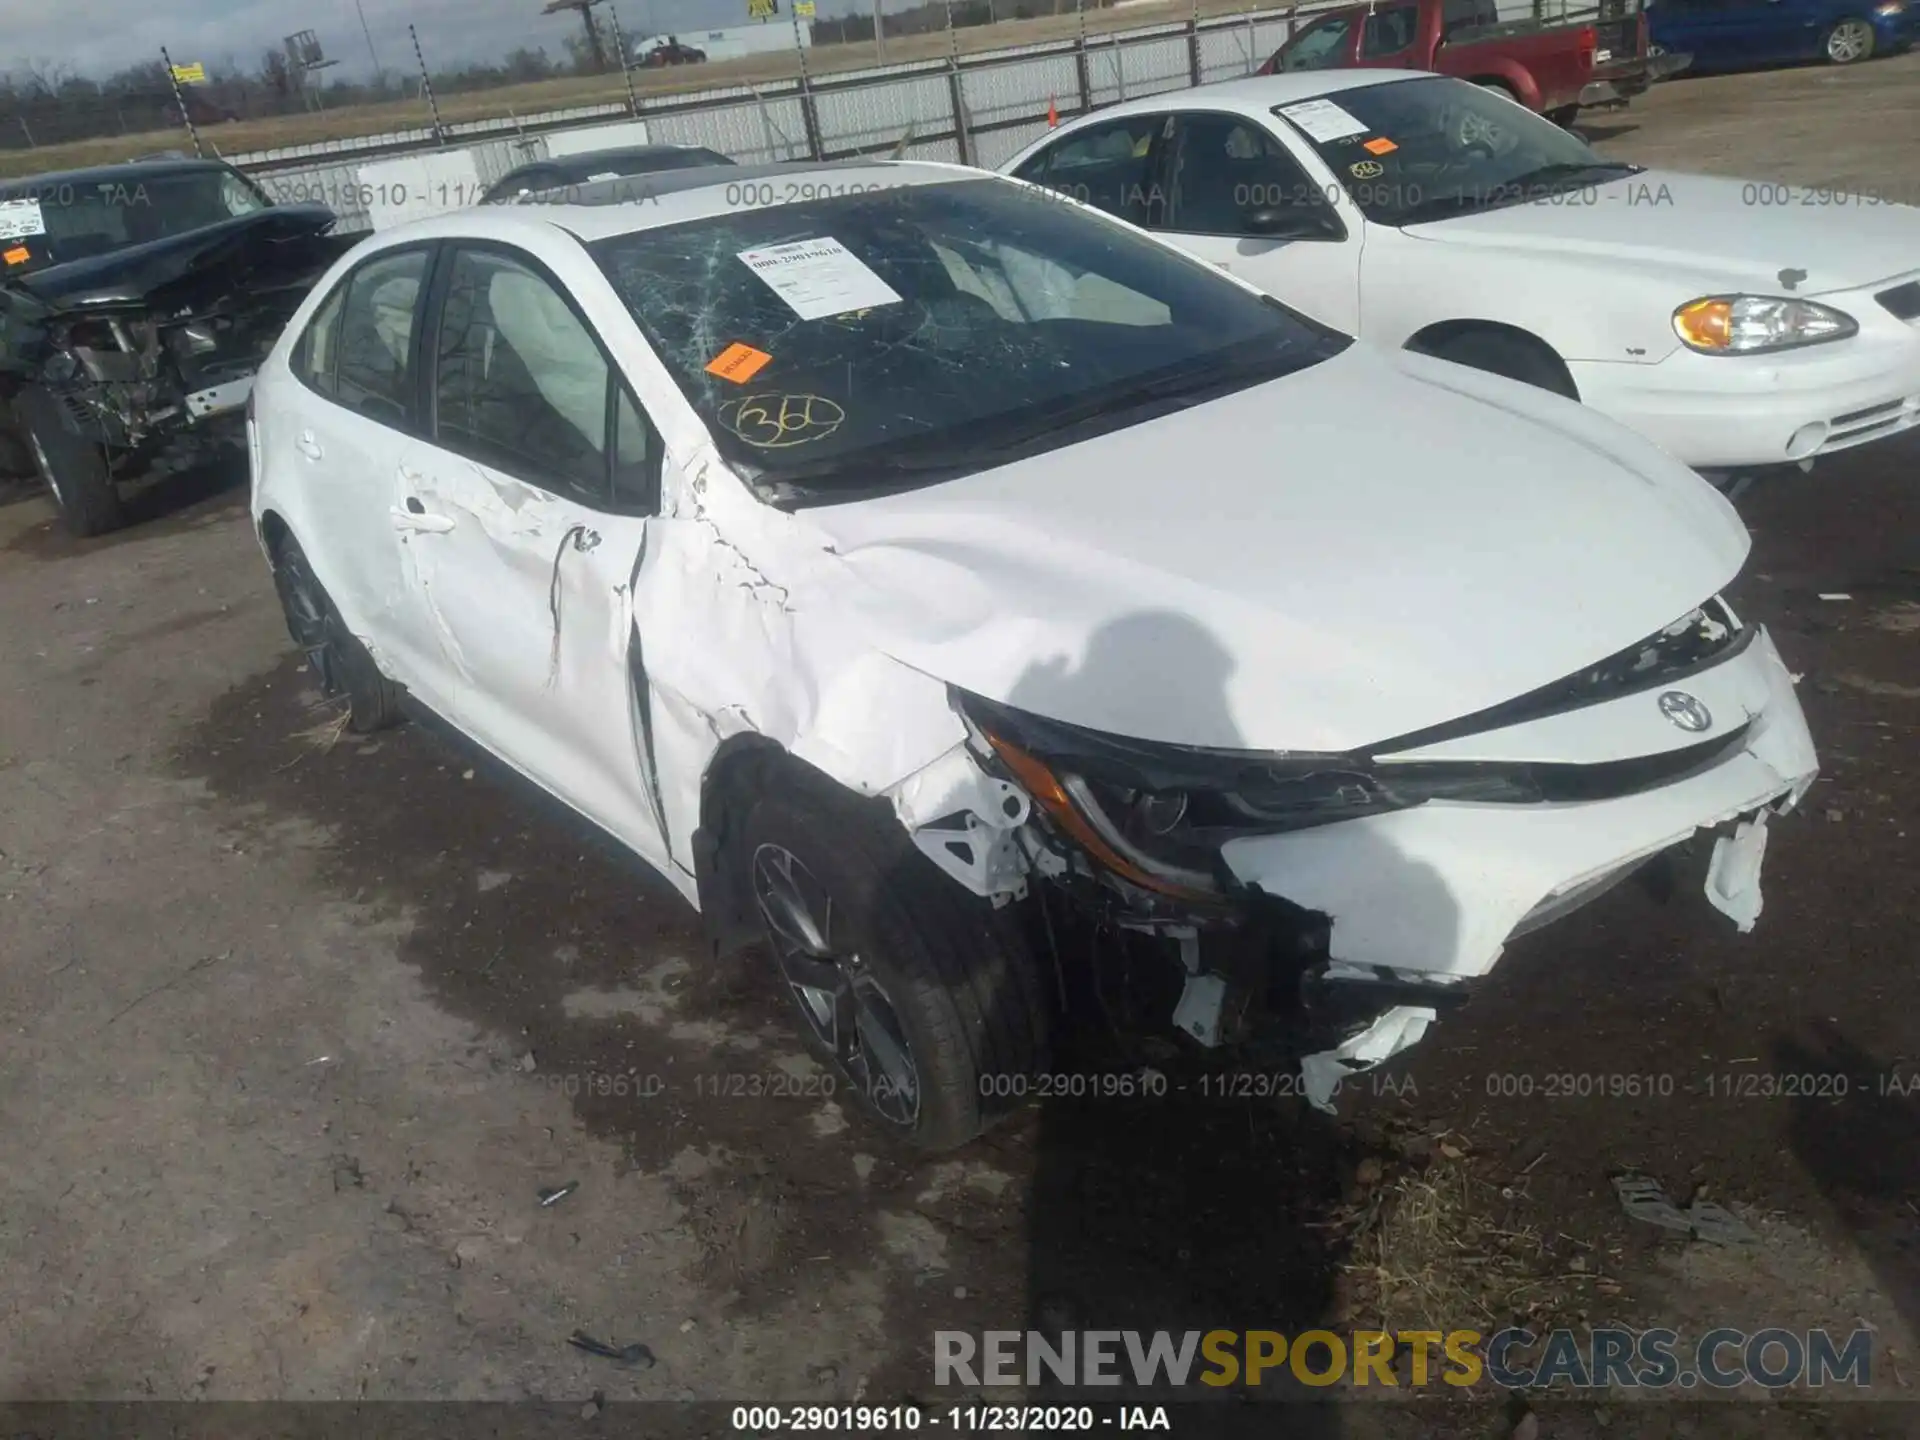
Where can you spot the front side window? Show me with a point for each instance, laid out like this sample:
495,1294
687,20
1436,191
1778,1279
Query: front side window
1109,167
319,348
1318,47
1412,151
374,371
890,339
1228,170
520,383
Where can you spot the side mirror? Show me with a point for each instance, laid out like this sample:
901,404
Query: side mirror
1286,222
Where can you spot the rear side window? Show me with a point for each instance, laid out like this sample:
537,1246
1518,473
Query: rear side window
373,372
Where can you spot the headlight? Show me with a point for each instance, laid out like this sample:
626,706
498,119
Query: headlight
1157,815
1892,7
1755,324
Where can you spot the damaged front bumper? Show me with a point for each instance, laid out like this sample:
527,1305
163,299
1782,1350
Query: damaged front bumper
1365,929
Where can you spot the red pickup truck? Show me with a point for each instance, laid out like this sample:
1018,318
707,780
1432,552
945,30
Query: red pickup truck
1553,68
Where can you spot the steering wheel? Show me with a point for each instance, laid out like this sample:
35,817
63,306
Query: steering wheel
1475,134
962,311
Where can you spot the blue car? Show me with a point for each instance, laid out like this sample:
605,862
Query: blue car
1738,34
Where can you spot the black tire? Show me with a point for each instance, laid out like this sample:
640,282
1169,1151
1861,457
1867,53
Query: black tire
955,976
73,468
1564,116
1513,356
339,660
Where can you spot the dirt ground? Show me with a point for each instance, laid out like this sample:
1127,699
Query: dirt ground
297,1033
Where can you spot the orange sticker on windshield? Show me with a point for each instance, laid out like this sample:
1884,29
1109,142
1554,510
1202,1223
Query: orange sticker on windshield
19,255
1379,145
738,363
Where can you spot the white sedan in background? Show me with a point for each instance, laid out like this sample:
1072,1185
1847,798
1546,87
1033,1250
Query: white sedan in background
917,570
1740,325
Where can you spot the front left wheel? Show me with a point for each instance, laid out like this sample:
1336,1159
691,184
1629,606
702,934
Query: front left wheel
922,999
75,469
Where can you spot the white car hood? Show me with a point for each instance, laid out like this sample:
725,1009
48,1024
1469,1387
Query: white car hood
1714,230
1378,544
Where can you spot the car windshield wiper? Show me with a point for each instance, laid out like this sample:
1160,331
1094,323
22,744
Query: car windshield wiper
1534,184
1565,172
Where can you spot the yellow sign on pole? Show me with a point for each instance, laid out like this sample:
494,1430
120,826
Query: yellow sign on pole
194,74
761,9
803,9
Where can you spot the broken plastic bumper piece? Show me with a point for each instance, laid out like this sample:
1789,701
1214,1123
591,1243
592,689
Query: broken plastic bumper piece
1437,891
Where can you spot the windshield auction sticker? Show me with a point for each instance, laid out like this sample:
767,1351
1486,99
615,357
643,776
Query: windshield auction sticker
21,218
819,278
738,363
1323,120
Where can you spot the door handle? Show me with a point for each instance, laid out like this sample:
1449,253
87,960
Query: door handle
415,517
308,446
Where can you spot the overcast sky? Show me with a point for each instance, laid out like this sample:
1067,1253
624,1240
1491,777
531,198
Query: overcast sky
97,36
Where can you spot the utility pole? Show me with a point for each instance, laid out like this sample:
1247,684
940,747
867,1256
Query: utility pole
595,46
372,54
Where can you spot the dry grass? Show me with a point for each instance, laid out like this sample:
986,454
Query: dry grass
326,734
1438,1246
506,102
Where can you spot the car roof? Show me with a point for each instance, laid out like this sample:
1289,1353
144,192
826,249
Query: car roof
1258,93
602,209
123,173
646,158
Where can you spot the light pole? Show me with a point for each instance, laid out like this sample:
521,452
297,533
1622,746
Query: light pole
372,54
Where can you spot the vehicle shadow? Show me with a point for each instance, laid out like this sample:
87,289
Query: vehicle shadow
1599,132
1198,1208
1853,1128
205,493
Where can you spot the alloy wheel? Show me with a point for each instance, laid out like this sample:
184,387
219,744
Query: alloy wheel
1851,40
306,608
839,996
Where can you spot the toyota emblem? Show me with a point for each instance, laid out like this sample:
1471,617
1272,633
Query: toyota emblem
1685,711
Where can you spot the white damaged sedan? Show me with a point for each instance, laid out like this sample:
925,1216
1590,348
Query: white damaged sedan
913,569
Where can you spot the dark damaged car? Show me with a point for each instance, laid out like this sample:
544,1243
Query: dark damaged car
136,302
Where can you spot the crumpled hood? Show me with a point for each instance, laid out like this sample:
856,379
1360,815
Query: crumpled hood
1713,233
138,272
1378,544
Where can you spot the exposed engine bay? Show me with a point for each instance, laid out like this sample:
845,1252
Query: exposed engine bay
1334,965
154,344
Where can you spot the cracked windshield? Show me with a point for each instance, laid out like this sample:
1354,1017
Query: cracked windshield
1422,150
897,337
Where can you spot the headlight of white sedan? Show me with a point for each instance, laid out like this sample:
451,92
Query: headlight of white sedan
1754,324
